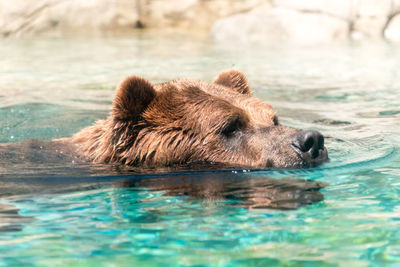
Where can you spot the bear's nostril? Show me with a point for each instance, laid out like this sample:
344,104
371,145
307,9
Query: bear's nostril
321,142
309,142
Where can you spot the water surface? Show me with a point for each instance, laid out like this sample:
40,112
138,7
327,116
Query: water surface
85,215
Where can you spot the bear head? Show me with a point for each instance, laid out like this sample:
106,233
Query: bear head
184,121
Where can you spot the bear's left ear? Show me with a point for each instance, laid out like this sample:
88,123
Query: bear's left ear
132,97
234,79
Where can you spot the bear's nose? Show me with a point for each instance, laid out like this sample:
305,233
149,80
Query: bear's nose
309,144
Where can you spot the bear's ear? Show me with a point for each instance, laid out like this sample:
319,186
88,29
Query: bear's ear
132,97
234,79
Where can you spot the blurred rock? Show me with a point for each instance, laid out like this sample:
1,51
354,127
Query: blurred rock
344,9
298,21
392,32
371,18
191,14
61,17
270,25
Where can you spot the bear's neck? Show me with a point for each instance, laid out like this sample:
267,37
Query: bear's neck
107,141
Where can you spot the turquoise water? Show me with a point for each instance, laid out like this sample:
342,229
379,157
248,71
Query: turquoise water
87,215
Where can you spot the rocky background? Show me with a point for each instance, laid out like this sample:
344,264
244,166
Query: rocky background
298,21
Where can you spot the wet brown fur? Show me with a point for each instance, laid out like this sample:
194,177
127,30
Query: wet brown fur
188,121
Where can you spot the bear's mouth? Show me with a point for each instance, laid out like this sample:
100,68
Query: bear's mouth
311,158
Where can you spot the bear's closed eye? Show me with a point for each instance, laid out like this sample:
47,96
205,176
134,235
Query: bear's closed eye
275,120
231,127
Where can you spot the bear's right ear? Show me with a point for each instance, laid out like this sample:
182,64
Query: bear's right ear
132,97
234,79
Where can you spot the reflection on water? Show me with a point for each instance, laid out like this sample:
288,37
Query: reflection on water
95,214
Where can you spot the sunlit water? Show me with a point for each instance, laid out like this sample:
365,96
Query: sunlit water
78,215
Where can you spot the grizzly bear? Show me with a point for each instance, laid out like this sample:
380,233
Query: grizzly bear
190,121
172,126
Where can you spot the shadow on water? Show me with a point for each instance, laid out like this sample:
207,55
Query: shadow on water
29,169
250,192
241,190
10,219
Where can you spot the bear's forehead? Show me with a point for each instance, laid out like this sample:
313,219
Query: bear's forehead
258,111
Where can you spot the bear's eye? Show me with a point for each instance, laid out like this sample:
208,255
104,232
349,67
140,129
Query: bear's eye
231,127
275,120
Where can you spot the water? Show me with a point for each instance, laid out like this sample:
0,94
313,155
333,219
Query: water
86,215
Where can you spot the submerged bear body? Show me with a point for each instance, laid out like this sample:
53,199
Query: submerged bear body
186,121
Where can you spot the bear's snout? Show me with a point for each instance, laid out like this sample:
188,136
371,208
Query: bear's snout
309,145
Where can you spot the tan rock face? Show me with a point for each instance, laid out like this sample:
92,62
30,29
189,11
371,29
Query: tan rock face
61,17
339,8
269,25
371,17
313,21
392,32
191,14
298,21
